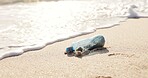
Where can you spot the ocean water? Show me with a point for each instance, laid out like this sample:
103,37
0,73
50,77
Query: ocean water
27,26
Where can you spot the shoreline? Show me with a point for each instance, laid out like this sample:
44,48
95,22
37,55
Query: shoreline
125,57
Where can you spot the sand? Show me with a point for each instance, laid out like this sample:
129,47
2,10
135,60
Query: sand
126,56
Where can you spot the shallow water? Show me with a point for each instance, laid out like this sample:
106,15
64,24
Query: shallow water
31,26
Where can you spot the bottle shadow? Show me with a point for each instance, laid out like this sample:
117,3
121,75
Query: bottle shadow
101,50
95,51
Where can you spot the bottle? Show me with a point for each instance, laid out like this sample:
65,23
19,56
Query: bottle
89,43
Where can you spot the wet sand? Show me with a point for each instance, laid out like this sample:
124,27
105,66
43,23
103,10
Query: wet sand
126,56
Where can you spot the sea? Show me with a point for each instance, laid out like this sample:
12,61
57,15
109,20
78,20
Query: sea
27,25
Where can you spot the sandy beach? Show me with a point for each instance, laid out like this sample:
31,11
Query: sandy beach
126,56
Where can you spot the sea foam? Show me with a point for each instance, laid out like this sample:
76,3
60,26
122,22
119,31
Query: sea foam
32,26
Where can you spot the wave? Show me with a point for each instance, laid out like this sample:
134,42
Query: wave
3,2
35,22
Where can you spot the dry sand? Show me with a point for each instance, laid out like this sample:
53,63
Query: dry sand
125,57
